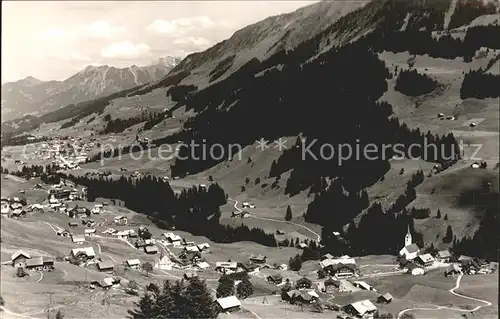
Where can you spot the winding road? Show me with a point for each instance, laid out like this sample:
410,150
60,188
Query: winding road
452,290
318,237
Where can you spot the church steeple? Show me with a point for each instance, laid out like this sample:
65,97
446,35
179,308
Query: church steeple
408,239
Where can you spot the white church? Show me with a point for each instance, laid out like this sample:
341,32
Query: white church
410,251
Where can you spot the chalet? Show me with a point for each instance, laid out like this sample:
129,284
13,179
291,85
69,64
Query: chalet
226,266
385,298
172,238
192,256
73,224
415,270
78,239
361,309
18,213
302,245
363,285
410,252
34,263
48,263
63,233
203,265
89,231
133,263
283,267
303,283
327,256
86,253
340,270
470,267
5,209
140,243
204,246
275,279
443,256
121,220
187,243
453,271
228,304
105,266
331,284
19,258
16,205
151,250
190,275
300,296
345,260
260,259
191,249
424,260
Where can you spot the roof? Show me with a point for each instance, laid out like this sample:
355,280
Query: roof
89,231
77,238
226,264
34,262
48,259
386,296
151,248
203,265
363,285
20,253
172,236
192,248
363,306
345,261
133,262
413,248
105,265
444,254
259,257
328,256
426,258
106,282
228,302
89,251
203,246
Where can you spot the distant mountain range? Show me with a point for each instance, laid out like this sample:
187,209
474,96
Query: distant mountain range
31,96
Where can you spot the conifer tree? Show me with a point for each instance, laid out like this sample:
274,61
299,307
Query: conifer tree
288,215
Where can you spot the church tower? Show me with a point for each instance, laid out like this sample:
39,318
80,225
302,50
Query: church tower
408,239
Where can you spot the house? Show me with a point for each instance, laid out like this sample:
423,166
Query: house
415,270
300,296
19,258
204,246
424,260
327,256
133,263
331,284
191,249
443,256
453,271
302,245
83,253
140,243
363,285
63,233
78,239
73,224
303,283
226,266
172,238
121,220
470,267
192,256
228,304
345,260
361,309
18,213
5,209
190,275
346,286
385,298
341,270
151,249
203,265
34,263
260,259
89,231
105,266
106,283
48,263
283,267
275,279
410,252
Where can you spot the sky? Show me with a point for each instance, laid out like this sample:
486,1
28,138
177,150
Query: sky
52,40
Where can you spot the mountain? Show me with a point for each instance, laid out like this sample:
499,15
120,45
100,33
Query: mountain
36,97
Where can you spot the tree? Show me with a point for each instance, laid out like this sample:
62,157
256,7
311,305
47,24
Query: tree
247,180
144,308
449,235
402,171
21,272
288,215
225,287
445,217
321,274
59,315
148,267
295,263
438,216
257,181
244,289
210,178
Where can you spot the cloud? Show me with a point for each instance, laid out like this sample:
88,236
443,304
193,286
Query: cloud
125,50
179,27
197,41
101,29
75,56
55,32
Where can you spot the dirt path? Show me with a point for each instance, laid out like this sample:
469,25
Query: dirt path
452,290
102,254
318,237
41,277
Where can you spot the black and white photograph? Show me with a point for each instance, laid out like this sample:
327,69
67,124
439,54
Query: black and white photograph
250,159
